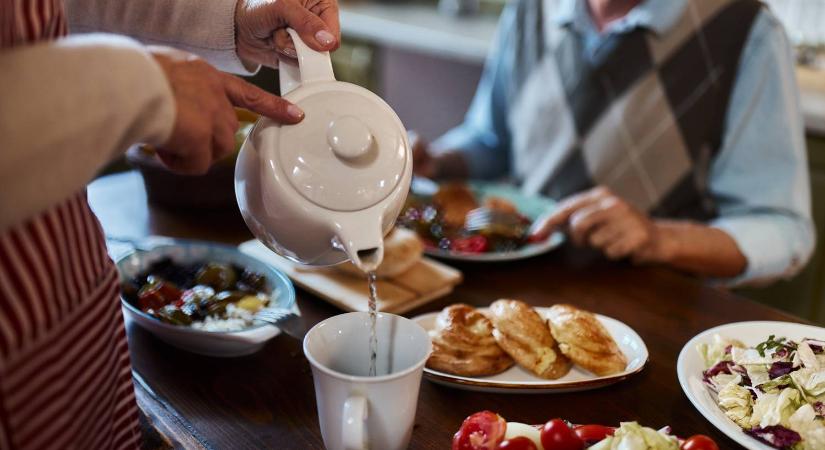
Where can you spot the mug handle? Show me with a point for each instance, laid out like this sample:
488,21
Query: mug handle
354,426
311,66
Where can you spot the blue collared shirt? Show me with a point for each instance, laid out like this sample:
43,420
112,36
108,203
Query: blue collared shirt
760,177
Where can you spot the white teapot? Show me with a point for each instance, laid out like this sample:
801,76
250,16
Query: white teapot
329,188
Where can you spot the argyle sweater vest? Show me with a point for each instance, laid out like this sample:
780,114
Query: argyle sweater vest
645,118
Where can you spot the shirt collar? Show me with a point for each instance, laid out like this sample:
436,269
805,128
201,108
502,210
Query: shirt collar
656,15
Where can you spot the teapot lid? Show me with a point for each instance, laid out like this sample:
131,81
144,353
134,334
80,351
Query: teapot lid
350,151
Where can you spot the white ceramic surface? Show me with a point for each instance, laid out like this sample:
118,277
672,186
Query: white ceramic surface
210,343
519,380
531,206
356,411
329,188
690,366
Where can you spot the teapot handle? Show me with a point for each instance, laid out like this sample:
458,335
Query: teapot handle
311,66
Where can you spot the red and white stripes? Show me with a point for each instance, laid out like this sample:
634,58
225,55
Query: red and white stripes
65,376
28,21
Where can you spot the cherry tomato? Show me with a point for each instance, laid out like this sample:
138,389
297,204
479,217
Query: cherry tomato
556,435
699,442
472,244
591,434
482,431
517,443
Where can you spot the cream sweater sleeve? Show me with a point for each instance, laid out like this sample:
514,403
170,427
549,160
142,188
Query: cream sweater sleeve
69,106
203,27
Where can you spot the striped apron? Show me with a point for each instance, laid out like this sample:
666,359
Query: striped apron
65,376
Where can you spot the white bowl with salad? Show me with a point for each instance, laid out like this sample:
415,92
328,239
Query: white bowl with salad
761,383
202,297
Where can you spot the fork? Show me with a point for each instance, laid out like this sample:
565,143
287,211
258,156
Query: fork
285,319
492,221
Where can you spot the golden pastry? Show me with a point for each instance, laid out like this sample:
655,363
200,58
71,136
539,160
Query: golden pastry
500,204
463,344
402,250
524,335
585,340
454,201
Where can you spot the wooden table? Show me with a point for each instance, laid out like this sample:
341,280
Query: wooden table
267,400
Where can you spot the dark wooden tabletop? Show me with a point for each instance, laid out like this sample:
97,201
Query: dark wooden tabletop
267,400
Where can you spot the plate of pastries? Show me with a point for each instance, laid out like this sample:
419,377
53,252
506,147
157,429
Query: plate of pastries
476,221
512,347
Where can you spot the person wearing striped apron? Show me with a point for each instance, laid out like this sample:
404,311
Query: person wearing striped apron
67,106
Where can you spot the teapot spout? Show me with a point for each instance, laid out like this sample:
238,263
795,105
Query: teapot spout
363,246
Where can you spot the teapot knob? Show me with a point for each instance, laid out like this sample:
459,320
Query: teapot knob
349,137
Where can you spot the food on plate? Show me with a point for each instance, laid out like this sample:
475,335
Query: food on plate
525,336
558,435
454,201
775,390
591,434
487,430
463,344
481,431
402,250
584,339
210,296
500,204
453,220
517,443
467,342
631,436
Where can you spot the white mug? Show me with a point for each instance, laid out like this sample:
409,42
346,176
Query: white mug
356,411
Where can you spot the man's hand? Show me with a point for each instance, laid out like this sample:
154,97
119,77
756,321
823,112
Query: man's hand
444,165
601,219
205,121
261,28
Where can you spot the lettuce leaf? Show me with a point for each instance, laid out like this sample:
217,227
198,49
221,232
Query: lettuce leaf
718,350
810,381
632,436
812,429
737,403
775,409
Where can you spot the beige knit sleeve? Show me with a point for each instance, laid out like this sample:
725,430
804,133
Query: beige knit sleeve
203,27
67,107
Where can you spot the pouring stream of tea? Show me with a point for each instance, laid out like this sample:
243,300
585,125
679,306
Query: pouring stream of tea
373,315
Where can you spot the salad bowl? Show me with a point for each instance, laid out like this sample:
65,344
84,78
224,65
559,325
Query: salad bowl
763,337
209,343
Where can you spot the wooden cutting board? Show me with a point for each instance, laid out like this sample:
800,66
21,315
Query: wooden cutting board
424,282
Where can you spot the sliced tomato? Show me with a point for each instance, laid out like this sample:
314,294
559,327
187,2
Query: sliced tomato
482,431
699,442
591,434
472,244
517,443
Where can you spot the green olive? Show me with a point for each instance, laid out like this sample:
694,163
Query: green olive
173,315
217,275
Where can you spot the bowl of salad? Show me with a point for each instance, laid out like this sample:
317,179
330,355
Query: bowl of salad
761,383
202,297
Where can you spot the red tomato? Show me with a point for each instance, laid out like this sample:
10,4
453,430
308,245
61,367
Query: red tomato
699,442
150,299
482,431
556,435
472,244
517,443
591,434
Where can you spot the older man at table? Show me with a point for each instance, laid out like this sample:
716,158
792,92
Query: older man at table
670,128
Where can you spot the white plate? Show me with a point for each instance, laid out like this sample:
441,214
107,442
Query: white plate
690,366
519,380
531,206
